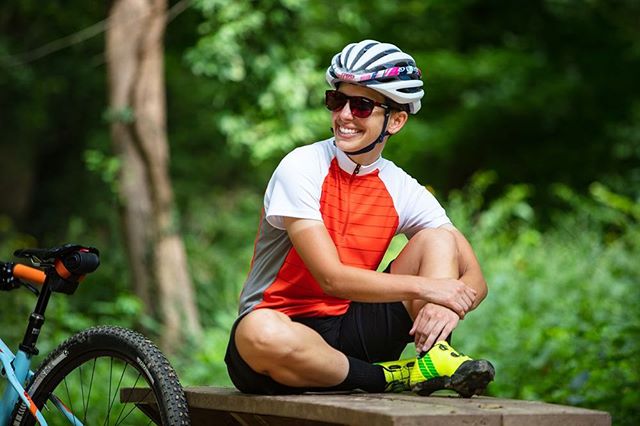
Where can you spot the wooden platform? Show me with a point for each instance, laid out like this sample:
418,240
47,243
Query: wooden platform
210,405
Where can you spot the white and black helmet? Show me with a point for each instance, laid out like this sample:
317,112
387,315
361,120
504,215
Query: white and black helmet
382,67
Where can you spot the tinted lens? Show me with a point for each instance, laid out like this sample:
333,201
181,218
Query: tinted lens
360,107
335,100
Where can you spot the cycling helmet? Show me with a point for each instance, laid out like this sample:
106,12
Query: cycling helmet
382,67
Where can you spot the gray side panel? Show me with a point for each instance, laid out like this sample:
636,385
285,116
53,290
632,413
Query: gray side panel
272,247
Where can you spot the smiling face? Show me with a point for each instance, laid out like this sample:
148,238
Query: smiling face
353,133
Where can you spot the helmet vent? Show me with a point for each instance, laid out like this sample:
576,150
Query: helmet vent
381,66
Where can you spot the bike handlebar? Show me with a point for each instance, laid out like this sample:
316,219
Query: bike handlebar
27,273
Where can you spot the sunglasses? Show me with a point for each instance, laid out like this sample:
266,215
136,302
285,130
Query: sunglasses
360,106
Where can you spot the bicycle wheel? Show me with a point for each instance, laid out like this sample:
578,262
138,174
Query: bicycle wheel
92,371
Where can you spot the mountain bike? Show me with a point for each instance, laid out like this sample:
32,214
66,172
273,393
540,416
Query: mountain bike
83,380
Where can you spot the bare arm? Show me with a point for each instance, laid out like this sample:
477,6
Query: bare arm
316,248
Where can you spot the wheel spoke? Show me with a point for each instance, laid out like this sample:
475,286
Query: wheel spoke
69,399
84,403
93,371
124,405
106,420
133,407
115,394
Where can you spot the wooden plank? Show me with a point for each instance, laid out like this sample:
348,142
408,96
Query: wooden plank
230,407
524,413
353,409
225,418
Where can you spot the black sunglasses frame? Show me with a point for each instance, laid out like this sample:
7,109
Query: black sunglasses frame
360,106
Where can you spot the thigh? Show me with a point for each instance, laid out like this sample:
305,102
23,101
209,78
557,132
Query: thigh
375,332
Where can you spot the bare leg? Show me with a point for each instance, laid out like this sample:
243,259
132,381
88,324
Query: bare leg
430,253
290,353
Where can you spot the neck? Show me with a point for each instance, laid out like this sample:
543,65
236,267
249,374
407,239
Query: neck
368,157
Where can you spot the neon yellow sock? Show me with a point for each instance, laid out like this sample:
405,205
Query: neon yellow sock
397,374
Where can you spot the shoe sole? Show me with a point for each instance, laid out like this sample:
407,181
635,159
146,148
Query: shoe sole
471,378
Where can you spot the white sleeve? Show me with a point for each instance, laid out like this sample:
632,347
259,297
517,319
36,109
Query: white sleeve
295,188
424,212
417,207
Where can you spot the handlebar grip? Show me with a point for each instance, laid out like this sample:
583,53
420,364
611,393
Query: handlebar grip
81,262
27,273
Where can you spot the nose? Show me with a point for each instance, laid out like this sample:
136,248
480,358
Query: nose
345,112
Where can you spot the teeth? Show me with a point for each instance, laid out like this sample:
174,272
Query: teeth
348,131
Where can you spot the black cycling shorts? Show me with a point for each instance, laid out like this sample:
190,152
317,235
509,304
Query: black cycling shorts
372,332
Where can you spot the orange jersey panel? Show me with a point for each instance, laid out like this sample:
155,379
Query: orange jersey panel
361,219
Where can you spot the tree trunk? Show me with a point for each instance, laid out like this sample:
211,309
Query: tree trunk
135,55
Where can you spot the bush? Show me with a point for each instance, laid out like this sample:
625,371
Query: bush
561,322
561,319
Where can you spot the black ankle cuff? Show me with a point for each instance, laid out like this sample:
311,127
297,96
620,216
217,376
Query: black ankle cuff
362,375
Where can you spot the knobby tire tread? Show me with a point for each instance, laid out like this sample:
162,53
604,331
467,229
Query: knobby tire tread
124,343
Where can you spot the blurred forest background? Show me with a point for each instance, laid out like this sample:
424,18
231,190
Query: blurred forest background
529,136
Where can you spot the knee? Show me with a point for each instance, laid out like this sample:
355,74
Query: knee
263,334
439,240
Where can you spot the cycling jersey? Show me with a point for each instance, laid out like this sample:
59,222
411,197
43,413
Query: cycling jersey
362,207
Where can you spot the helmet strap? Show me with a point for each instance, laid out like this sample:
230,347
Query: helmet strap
380,138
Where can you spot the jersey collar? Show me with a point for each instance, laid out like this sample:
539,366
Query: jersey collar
349,166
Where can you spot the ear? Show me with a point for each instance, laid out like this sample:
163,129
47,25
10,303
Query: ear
397,121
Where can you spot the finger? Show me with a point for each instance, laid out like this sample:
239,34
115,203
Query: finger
469,293
446,331
420,336
467,305
458,309
423,332
431,338
463,305
430,334
470,300
465,297
417,323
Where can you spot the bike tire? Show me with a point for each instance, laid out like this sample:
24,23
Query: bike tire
88,358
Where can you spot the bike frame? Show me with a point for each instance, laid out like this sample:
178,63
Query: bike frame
16,368
16,371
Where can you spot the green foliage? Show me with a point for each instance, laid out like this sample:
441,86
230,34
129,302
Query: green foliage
272,84
202,364
523,89
561,319
219,232
541,92
107,167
